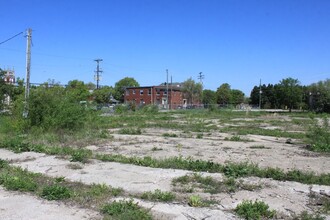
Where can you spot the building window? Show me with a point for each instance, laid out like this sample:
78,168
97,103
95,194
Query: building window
141,91
133,91
127,92
149,92
165,92
158,92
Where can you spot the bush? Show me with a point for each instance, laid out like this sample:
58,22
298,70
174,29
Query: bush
254,210
52,109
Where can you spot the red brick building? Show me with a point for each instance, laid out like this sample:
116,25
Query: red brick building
156,95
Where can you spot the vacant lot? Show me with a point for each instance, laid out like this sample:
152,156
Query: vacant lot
177,165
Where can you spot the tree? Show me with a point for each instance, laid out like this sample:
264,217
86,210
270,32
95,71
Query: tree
224,94
289,93
319,96
192,91
102,95
77,91
209,97
237,97
121,85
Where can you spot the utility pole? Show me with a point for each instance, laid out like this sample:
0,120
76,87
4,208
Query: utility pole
98,71
260,94
200,77
28,68
171,90
166,88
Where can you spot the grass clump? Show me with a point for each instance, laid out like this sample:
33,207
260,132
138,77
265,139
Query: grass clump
170,135
195,201
125,210
254,210
80,155
55,192
237,138
17,179
158,195
307,216
130,131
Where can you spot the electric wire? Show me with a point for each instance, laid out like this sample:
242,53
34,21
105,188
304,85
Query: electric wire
11,38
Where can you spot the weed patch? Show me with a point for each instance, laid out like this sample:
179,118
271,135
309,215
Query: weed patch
125,210
130,131
158,195
319,136
210,185
254,210
55,192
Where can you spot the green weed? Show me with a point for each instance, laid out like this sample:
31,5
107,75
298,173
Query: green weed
125,210
55,192
254,210
170,135
195,201
319,136
130,131
158,195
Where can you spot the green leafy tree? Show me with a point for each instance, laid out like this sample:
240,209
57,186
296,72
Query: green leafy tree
192,91
209,97
224,94
121,85
289,93
102,95
319,96
254,96
77,91
237,97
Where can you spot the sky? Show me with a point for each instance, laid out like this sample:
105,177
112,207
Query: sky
238,42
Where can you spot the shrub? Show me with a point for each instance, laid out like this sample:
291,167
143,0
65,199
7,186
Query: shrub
254,210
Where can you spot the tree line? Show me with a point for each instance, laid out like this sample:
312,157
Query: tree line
287,94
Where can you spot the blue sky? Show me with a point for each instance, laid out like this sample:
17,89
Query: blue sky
231,41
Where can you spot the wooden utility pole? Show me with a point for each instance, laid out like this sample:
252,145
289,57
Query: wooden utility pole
260,95
98,71
166,88
28,68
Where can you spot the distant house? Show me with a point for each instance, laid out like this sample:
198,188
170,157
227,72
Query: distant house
167,97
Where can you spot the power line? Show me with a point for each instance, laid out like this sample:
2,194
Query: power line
11,38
